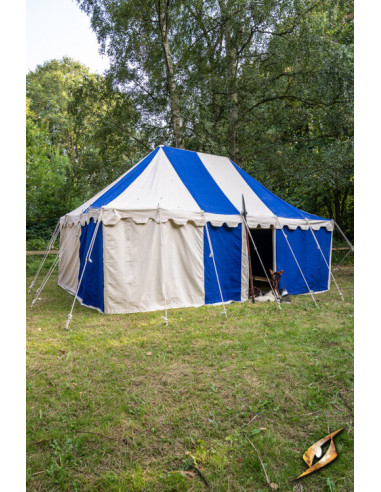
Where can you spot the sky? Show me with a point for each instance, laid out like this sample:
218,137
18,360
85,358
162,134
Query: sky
57,28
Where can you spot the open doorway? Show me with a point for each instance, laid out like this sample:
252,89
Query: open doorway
264,240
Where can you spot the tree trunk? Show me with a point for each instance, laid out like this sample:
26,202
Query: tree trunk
232,94
173,96
234,150
329,208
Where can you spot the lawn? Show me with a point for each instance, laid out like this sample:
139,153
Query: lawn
122,402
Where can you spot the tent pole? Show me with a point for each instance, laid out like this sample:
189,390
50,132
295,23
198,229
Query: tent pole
165,317
52,268
50,245
325,261
88,259
251,284
250,267
264,269
296,261
215,269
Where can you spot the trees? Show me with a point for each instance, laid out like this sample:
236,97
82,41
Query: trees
104,132
46,169
269,83
304,150
138,38
80,136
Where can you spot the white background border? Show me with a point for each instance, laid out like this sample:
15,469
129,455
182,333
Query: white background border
367,243
12,244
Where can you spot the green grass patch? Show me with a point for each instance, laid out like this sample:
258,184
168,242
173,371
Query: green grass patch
122,402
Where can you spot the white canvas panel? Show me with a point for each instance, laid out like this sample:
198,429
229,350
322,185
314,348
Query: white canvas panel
158,184
133,270
232,184
69,262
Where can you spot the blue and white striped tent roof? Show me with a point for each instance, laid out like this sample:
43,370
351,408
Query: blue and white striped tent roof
192,186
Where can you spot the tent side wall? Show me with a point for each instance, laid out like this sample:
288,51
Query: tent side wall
130,270
140,273
309,258
69,261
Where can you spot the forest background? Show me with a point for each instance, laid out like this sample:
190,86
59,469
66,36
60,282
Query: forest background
268,83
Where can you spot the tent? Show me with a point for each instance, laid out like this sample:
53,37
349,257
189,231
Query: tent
170,233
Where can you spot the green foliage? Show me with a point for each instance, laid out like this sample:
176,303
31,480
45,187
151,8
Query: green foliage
46,170
304,144
106,141
80,135
269,83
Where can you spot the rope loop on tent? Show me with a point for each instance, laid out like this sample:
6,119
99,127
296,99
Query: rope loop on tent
325,260
263,266
50,245
165,317
88,257
297,263
224,312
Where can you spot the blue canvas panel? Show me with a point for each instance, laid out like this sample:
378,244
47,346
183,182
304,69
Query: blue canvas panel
91,290
200,184
277,206
227,248
309,258
123,183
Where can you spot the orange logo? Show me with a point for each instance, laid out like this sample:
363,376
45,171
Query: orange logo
316,451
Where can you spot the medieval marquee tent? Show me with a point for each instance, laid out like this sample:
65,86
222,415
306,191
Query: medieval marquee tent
170,233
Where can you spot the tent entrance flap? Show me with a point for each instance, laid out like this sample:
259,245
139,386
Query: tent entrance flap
264,240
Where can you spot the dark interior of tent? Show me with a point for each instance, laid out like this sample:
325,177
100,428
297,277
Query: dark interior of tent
263,239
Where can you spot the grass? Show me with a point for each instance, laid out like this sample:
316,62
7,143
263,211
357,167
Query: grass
122,402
